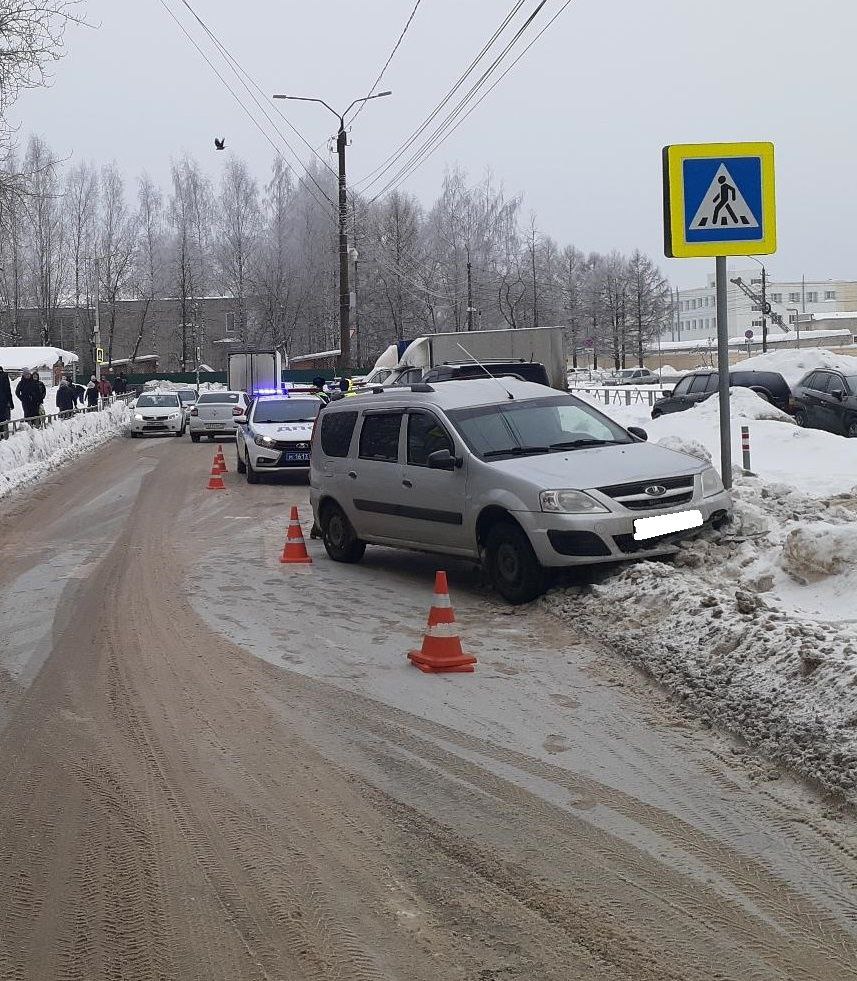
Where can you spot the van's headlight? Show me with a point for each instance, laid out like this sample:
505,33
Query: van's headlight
569,502
138,417
266,441
711,483
175,415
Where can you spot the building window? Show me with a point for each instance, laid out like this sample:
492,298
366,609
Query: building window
830,294
230,324
776,297
812,297
794,297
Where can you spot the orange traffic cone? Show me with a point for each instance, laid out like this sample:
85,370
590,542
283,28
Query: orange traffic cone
220,459
441,650
294,551
215,481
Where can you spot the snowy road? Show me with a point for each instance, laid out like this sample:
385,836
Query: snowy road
215,767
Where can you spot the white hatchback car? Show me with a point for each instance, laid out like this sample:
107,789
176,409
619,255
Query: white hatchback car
158,413
216,414
275,437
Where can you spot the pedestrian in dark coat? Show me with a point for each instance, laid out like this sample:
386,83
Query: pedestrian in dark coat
65,398
28,391
42,395
121,383
6,403
92,393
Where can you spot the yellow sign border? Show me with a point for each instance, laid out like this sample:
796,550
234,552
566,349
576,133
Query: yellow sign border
675,244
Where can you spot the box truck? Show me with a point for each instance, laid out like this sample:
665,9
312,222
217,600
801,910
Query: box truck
255,372
545,345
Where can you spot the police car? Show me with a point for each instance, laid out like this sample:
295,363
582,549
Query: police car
274,437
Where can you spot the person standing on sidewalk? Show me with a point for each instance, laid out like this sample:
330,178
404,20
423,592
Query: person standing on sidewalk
27,391
6,403
65,399
41,395
92,393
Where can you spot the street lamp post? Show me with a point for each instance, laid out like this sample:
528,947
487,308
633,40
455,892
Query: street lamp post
344,288
764,304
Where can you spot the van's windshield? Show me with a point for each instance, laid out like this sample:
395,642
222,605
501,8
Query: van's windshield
534,427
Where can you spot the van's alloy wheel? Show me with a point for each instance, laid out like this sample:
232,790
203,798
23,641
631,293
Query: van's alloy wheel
253,476
800,418
851,428
340,540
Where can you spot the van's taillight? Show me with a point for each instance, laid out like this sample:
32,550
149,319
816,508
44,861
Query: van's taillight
237,410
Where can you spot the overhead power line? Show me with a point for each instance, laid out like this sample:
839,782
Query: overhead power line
397,154
431,150
431,142
396,47
248,112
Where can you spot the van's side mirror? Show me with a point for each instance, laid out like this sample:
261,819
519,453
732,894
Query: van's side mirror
837,393
240,420
639,434
442,460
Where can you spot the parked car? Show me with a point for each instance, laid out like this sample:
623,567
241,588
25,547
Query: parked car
701,385
157,413
532,371
187,397
827,399
275,436
634,376
215,414
525,482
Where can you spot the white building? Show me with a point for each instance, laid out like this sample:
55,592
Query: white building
695,316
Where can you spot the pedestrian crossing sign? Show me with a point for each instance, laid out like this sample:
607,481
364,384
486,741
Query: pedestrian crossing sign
719,199
99,355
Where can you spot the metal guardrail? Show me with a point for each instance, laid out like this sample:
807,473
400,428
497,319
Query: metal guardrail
623,395
12,426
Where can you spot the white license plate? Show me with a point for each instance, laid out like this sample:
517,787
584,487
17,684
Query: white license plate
665,524
214,425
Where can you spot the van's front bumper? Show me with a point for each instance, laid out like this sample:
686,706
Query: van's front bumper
582,539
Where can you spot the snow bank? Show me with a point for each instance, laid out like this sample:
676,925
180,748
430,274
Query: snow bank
755,627
809,460
168,386
32,453
794,364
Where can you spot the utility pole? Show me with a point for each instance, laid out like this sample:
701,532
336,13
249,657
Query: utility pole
97,328
469,291
344,286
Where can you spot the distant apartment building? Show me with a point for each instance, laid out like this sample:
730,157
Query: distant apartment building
696,309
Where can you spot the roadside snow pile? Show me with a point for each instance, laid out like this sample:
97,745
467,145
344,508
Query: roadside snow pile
754,627
160,385
31,453
810,460
794,364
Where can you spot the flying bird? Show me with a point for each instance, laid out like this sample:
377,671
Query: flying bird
220,144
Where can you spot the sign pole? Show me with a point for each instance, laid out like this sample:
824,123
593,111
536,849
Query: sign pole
723,372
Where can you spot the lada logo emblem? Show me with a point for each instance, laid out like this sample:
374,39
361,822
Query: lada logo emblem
655,490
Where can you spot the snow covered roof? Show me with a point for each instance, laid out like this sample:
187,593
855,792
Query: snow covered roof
774,337
18,358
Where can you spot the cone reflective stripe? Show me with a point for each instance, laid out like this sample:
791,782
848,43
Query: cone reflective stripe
215,481
294,551
441,650
220,459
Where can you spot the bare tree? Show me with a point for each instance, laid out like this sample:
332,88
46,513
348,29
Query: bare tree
148,272
649,300
115,245
80,207
46,257
239,227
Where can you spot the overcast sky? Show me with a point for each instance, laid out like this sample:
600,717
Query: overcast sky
577,125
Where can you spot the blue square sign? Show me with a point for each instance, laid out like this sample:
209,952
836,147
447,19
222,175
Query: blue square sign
719,199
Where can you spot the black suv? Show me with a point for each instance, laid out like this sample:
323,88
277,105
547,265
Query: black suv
769,385
531,371
826,399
